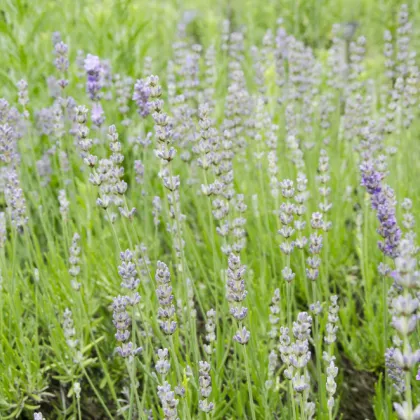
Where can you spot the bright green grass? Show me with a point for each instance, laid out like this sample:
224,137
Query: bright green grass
124,31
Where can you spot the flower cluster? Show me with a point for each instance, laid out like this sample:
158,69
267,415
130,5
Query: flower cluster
8,144
331,385
383,202
272,366
300,198
108,176
286,215
205,387
74,261
143,261
141,97
61,62
82,133
64,204
408,221
330,338
168,401
129,276
315,245
236,287
157,209
123,93
166,311
122,323
274,315
139,170
404,320
324,189
210,331
93,68
331,329
15,201
296,355
236,294
210,76
394,371
205,146
23,96
162,364
166,153
69,330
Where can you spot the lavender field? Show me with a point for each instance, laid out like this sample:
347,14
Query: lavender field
209,210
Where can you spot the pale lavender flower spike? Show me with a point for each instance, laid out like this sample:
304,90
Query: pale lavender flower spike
93,70
122,322
61,61
98,115
15,201
166,311
141,97
384,205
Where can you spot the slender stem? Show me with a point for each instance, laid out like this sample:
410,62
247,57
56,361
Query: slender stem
95,345
292,399
131,373
79,411
248,379
407,393
117,241
317,340
211,227
366,258
304,276
176,205
98,395
178,375
302,408
385,315
63,398
289,306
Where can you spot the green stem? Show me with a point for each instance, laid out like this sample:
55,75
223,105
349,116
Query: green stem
98,395
289,306
292,400
318,342
79,411
249,383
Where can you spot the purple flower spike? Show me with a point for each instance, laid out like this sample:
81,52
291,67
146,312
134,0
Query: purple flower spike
141,97
382,199
98,116
93,71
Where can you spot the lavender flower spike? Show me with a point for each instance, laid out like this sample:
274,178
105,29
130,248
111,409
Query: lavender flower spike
205,387
382,199
122,322
168,401
166,311
93,71
236,287
141,97
15,201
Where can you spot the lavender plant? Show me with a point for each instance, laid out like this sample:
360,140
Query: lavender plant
308,122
